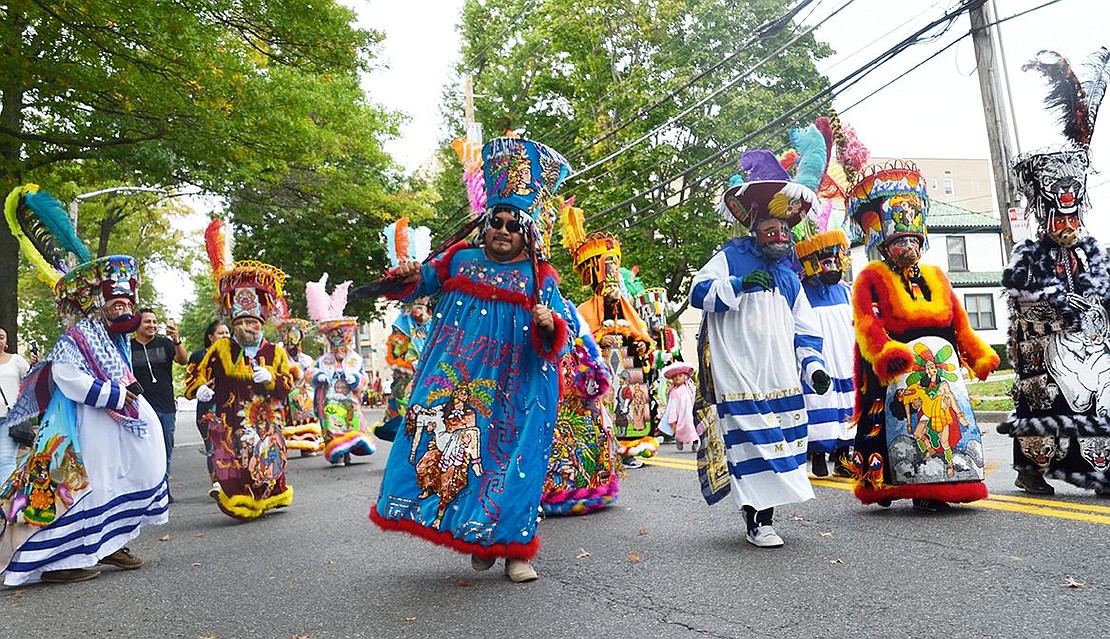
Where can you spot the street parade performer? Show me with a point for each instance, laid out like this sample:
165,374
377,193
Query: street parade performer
760,333
338,377
410,329
249,379
824,258
467,471
583,475
303,431
1059,292
626,345
67,506
916,435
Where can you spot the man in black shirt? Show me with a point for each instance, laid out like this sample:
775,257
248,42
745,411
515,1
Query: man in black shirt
152,358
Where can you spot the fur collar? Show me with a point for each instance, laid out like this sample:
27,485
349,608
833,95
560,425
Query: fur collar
1031,274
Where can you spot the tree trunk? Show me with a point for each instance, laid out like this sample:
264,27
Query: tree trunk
11,118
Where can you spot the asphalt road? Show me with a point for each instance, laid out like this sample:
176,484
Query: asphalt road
659,563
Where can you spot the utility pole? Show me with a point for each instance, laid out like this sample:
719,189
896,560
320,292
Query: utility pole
997,119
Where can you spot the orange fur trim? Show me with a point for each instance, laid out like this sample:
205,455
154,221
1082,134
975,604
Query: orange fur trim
821,241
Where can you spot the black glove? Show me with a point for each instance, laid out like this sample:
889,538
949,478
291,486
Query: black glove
758,280
821,382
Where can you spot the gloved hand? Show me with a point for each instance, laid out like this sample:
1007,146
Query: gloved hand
205,394
758,280
351,379
320,379
821,381
262,375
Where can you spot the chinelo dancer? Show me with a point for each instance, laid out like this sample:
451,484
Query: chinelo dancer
467,470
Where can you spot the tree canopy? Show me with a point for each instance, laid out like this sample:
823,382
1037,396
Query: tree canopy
224,96
636,81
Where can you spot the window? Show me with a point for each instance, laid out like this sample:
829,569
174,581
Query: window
949,186
980,311
957,253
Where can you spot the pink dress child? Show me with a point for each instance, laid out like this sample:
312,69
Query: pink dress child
679,416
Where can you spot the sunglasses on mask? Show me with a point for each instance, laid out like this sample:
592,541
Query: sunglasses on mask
511,226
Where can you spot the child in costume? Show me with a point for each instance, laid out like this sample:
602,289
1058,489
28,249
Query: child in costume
678,418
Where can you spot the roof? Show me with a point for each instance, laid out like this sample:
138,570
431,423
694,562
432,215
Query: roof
945,217
967,279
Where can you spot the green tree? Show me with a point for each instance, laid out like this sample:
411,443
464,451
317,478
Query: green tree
592,77
215,94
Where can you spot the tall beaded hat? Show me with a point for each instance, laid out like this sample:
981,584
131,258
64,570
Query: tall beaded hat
596,255
889,201
47,237
245,288
523,176
1054,180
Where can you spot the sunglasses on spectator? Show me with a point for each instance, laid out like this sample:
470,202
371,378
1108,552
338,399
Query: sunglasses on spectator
511,226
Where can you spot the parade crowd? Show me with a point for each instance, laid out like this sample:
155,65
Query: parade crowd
509,402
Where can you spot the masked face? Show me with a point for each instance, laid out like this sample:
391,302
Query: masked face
248,331
1061,183
829,269
610,286
338,338
119,315
1063,229
419,313
904,251
772,236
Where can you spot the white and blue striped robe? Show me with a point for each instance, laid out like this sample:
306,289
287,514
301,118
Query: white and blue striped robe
127,485
758,343
830,415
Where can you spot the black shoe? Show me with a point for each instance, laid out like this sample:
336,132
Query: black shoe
931,505
820,468
1034,484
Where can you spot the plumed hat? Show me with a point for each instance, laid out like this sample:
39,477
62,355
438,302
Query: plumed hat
47,237
589,251
523,176
1054,181
887,202
247,288
404,243
327,310
769,190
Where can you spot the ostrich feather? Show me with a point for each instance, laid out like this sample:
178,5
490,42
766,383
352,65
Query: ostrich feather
55,218
402,240
789,159
1066,95
217,243
421,243
316,298
1098,64
573,224
321,305
810,145
825,127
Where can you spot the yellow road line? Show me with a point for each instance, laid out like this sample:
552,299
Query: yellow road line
1009,503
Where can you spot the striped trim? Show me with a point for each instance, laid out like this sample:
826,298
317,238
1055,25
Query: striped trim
760,465
92,398
761,406
98,533
114,395
829,416
765,436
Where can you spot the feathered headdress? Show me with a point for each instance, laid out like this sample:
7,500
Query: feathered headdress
47,237
247,288
589,251
769,191
327,310
404,243
1065,190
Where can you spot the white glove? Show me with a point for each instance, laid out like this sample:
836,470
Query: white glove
205,394
262,375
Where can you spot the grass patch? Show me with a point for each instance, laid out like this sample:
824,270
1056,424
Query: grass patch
990,388
993,404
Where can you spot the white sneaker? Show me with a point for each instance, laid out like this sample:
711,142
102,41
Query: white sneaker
764,537
214,492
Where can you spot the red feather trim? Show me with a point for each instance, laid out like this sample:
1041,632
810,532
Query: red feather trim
442,264
558,340
487,292
444,538
953,493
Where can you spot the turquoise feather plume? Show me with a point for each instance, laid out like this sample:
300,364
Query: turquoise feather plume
55,218
810,145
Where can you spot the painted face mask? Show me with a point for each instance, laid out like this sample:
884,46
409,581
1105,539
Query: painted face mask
904,251
773,239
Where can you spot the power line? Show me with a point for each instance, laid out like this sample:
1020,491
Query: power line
829,92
